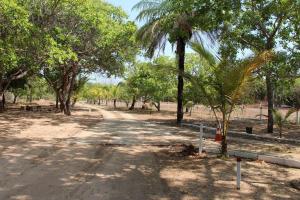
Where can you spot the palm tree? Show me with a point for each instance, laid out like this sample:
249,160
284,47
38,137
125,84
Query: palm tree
165,22
221,82
280,119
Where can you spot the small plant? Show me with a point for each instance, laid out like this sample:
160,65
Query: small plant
280,119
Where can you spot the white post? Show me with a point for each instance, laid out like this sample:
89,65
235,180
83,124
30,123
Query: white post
201,139
238,173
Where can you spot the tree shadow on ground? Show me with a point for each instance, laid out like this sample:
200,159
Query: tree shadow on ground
141,111
13,121
213,178
122,159
42,170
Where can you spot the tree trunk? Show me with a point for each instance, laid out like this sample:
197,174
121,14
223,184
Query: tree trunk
57,100
15,99
2,102
270,102
64,104
66,91
61,102
157,106
133,103
224,145
224,129
30,95
280,132
186,109
181,57
67,110
115,103
74,102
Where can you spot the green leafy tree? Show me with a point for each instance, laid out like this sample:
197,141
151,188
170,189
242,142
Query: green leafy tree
81,37
153,81
258,26
124,93
14,42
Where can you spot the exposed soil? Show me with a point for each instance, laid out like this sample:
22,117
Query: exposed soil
45,155
241,118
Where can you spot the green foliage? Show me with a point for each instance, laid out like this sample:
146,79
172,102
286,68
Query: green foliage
14,41
152,80
222,84
254,91
280,119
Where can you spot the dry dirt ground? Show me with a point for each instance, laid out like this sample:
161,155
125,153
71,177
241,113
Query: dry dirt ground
44,155
241,118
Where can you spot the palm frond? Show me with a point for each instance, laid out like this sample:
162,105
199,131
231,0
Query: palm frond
289,113
151,9
244,70
152,36
200,49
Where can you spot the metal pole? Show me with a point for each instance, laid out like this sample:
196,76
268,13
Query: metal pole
201,139
238,173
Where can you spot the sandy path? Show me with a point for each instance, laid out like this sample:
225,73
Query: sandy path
82,167
120,158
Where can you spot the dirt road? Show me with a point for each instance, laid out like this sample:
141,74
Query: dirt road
108,161
122,158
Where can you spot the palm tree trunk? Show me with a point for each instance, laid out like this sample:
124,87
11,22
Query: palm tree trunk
224,135
181,57
115,103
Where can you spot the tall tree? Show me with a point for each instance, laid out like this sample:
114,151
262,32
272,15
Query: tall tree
173,21
151,81
81,37
258,26
14,43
